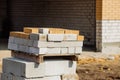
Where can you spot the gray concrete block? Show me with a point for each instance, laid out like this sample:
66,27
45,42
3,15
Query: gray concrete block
6,76
12,46
71,50
55,37
11,39
23,68
64,50
41,37
21,41
58,44
24,42
18,41
59,67
70,37
23,48
51,67
30,42
35,50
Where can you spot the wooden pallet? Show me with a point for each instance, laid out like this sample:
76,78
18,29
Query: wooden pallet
41,58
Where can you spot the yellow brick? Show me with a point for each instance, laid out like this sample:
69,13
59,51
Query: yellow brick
15,33
31,30
107,9
24,35
98,9
72,31
80,38
56,31
111,10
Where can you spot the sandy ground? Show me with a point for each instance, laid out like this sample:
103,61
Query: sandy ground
3,54
99,71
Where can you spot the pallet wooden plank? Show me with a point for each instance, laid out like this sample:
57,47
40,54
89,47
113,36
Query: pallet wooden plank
24,56
40,58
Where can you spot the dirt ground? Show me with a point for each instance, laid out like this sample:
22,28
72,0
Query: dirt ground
100,71
109,70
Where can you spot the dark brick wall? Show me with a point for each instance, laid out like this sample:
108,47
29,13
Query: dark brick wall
73,14
2,15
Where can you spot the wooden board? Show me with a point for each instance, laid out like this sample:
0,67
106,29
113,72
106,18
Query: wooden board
41,58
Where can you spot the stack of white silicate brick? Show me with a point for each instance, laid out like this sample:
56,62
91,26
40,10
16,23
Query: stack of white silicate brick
45,41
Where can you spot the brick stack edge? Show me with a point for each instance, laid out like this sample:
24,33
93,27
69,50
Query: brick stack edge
43,41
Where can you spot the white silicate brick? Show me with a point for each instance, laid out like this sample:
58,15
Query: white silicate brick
53,50
44,30
55,37
71,50
41,37
70,37
58,44
40,44
64,50
78,50
35,50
